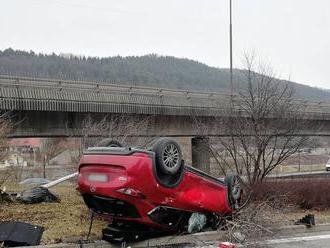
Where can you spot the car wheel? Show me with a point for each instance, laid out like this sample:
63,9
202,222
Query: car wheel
233,183
108,142
168,155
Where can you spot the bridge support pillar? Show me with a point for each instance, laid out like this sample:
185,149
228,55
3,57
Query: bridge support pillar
200,154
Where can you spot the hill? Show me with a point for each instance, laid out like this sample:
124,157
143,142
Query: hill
150,70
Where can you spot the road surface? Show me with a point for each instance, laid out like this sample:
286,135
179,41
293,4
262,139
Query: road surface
315,240
311,240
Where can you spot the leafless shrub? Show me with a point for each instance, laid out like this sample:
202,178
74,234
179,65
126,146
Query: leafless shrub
253,224
51,147
5,128
123,128
16,173
302,193
5,174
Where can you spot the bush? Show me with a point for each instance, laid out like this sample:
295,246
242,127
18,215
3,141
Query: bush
304,193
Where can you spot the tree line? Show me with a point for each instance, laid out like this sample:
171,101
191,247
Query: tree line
149,70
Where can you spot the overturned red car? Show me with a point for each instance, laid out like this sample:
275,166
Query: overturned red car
151,192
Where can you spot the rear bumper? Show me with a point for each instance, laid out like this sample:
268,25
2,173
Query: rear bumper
110,206
119,207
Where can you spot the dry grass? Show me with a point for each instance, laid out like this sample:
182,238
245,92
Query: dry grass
289,217
262,220
69,220
64,221
304,193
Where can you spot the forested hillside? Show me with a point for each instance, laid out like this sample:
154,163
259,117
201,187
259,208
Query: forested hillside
151,70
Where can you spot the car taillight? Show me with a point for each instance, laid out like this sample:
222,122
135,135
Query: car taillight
131,192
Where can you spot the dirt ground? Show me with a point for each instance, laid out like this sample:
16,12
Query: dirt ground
69,220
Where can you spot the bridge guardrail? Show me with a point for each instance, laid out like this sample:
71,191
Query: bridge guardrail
23,93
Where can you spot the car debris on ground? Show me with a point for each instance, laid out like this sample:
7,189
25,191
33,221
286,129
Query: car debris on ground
4,196
14,233
36,181
196,222
308,220
36,194
60,180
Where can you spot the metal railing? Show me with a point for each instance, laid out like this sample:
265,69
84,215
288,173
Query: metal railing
25,93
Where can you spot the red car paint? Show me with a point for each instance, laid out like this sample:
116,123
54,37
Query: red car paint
136,173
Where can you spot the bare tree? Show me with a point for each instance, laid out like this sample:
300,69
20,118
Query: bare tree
49,149
261,124
5,128
126,129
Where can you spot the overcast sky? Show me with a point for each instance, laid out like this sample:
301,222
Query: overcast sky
291,35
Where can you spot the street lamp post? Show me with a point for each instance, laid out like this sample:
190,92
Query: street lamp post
231,47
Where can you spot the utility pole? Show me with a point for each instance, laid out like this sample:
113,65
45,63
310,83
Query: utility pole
231,47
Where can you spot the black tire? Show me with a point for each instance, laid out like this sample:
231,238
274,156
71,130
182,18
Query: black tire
233,183
108,142
168,156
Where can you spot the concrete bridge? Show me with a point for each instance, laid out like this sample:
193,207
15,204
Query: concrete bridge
49,108
57,108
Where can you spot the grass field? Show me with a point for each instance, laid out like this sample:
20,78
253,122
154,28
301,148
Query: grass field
64,221
68,220
290,217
